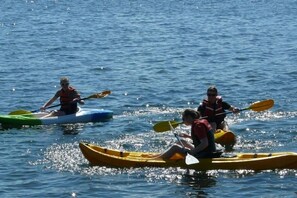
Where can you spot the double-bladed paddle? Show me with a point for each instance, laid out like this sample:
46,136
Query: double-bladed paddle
256,106
96,95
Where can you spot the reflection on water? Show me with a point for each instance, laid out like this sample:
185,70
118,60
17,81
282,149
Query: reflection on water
68,129
199,181
4,127
71,129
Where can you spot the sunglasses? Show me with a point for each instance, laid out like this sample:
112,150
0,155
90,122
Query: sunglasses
64,84
209,94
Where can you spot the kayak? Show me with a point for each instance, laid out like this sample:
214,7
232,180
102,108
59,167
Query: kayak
82,116
225,138
99,156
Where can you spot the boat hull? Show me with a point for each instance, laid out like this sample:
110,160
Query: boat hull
82,116
97,155
225,138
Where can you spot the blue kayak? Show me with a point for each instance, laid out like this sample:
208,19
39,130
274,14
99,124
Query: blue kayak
82,116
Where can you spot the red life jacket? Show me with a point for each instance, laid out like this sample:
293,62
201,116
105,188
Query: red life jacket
66,98
210,135
211,110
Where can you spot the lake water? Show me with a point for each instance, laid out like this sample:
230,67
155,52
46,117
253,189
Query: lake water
157,58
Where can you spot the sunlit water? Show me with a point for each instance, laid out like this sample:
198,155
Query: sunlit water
157,58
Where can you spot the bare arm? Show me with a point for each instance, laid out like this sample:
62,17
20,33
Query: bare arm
48,103
230,107
203,144
78,99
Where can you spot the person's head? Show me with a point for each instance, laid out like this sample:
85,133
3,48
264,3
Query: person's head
64,82
189,115
212,93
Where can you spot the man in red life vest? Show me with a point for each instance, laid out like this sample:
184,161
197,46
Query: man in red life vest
213,108
69,98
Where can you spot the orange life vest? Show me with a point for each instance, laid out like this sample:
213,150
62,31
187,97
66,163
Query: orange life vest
211,110
66,98
210,135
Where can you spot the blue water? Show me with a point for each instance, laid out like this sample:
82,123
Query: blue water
157,58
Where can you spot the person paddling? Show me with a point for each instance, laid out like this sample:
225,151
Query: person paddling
213,108
69,97
202,135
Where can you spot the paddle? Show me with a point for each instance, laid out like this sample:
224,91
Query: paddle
96,95
256,106
190,159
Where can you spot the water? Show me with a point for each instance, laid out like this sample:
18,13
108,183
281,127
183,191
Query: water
158,58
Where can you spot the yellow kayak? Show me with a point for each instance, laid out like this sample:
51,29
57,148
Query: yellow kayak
225,138
99,156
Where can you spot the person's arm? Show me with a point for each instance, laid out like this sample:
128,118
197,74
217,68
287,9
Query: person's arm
77,98
48,103
230,107
203,145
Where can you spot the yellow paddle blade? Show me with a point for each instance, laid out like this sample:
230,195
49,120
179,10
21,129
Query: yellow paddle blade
262,105
19,112
100,95
165,126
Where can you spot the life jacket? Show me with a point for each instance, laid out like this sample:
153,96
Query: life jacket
211,110
66,98
210,135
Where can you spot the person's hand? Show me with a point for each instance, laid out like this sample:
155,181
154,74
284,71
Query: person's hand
183,135
75,100
42,108
82,102
235,110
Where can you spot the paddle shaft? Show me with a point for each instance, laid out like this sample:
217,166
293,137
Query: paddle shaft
180,122
190,159
218,114
57,105
97,95
256,106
